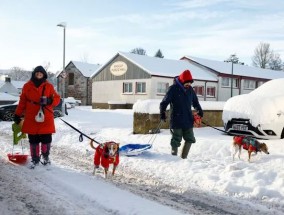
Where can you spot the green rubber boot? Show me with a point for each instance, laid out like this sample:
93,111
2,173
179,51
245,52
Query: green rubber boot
185,150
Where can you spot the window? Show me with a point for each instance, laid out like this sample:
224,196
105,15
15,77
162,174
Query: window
249,84
71,79
225,82
259,83
127,87
140,87
210,91
162,87
236,83
199,90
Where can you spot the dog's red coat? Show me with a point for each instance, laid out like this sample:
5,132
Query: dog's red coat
101,157
240,141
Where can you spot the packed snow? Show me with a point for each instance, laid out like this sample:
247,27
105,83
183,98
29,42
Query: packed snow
262,106
155,182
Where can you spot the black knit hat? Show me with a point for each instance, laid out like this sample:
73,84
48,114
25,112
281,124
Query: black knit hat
41,70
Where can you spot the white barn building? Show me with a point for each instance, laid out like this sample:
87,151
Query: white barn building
128,77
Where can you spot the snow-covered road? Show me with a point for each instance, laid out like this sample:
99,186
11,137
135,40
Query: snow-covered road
209,182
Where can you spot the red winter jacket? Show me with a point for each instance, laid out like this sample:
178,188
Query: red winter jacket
29,107
101,157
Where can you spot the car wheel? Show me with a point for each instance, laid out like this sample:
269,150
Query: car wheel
8,116
282,134
57,113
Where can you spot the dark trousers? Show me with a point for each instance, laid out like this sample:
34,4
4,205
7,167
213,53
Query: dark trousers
35,140
178,134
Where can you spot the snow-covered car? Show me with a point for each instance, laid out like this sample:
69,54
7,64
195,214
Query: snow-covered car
72,102
259,113
7,111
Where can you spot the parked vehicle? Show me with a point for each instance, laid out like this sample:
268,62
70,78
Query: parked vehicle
72,102
7,111
259,113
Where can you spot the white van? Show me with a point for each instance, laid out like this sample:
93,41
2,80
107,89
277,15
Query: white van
259,113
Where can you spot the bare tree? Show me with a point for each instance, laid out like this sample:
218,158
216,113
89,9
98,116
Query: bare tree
139,51
262,55
159,54
275,62
18,74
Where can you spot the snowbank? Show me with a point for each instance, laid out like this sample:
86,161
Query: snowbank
152,106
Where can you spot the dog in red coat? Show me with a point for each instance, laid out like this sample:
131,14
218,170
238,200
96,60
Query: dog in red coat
106,153
248,143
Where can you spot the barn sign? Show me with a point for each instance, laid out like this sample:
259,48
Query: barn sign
118,68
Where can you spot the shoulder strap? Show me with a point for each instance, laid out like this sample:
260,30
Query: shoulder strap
42,94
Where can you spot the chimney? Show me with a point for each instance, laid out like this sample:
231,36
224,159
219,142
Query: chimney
8,79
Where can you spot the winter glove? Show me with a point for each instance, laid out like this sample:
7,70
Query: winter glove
17,119
49,101
46,101
163,116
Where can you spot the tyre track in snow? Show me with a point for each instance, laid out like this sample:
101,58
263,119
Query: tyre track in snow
189,202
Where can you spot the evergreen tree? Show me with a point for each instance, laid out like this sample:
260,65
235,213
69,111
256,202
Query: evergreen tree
159,54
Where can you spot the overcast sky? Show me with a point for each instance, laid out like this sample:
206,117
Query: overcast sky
97,30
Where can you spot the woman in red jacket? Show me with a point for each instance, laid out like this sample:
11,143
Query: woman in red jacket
36,104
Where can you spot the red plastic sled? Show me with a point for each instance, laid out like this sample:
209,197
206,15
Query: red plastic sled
18,158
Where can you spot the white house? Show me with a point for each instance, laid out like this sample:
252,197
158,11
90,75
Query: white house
129,77
233,79
7,87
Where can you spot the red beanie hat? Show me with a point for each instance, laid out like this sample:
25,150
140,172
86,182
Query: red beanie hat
185,77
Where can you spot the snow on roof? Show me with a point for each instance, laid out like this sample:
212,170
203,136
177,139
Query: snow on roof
268,98
86,69
241,70
18,84
7,97
166,67
152,106
163,67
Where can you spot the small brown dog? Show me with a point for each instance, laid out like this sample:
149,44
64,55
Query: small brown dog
248,143
106,154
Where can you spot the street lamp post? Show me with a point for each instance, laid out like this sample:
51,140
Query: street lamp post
234,60
63,75
232,73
